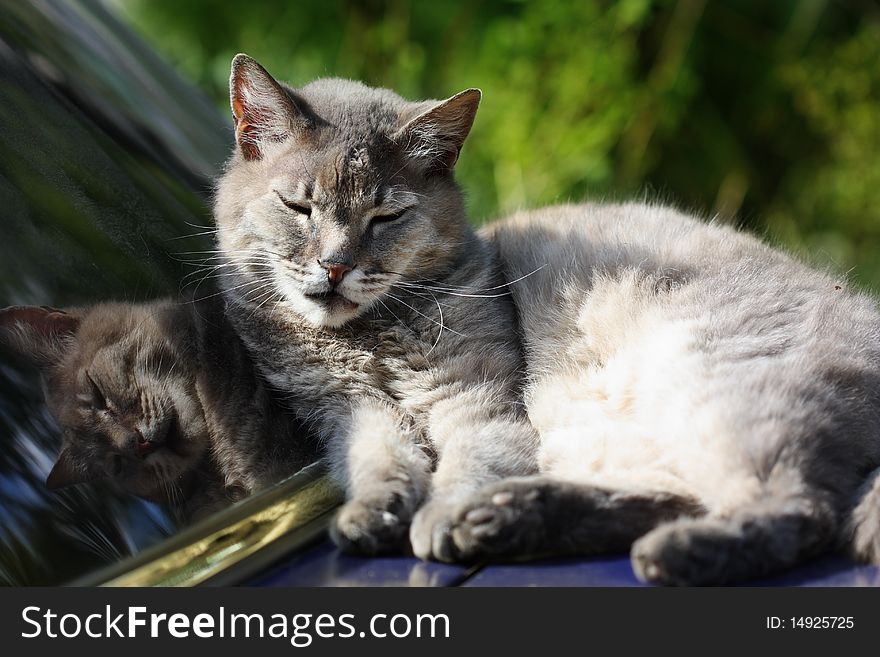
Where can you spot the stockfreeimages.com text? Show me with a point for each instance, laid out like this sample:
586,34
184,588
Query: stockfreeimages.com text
299,629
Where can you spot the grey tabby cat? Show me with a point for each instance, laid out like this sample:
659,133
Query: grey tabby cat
701,397
351,274
160,399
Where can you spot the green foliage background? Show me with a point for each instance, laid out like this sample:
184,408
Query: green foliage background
764,112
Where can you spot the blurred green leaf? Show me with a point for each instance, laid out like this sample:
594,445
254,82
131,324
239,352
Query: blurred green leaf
767,113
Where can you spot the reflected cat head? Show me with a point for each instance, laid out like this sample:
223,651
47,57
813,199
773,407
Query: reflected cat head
117,382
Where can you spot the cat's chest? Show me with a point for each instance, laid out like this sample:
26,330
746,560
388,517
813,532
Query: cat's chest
371,355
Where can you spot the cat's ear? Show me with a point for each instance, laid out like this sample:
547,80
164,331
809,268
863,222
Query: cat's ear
436,135
263,111
39,333
65,472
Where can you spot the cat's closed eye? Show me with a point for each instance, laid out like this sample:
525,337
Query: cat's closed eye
296,206
386,218
99,400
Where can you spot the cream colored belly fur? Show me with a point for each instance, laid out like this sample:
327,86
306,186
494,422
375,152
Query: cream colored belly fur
638,416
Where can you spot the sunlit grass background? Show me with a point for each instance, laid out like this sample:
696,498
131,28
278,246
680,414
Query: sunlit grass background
765,113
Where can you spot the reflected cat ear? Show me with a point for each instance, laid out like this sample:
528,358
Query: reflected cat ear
437,135
65,473
263,111
40,333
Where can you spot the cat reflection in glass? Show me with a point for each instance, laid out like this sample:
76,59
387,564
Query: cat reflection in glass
160,399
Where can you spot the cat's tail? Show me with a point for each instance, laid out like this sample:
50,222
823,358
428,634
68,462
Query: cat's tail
767,535
864,522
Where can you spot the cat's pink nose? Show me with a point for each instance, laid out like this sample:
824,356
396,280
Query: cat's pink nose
336,271
144,447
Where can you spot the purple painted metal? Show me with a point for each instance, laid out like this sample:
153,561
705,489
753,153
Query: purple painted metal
324,565
605,571
616,571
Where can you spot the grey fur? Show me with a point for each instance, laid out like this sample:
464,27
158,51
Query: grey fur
699,395
688,363
177,380
411,363
864,523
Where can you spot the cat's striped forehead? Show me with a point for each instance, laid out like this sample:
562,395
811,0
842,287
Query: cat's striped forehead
352,175
346,172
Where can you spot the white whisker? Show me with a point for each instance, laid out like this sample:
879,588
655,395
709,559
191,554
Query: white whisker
418,312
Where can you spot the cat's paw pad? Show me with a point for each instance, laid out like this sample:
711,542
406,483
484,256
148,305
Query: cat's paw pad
681,553
501,520
364,528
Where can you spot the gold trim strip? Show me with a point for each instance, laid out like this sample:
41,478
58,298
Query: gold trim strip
223,548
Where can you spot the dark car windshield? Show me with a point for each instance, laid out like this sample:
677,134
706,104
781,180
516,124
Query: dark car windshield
107,158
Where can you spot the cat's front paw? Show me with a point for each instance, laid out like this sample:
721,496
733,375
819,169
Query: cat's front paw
431,531
364,528
501,520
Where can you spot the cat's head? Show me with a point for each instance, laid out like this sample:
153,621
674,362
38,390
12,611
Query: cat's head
117,382
336,191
